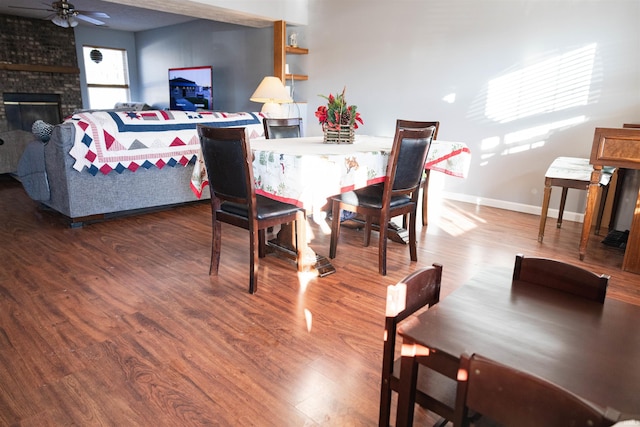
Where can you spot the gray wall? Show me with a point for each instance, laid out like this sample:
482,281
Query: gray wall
240,57
405,56
103,37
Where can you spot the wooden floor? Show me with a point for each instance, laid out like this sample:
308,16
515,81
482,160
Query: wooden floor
118,323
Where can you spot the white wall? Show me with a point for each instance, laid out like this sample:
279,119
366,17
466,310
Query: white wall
401,58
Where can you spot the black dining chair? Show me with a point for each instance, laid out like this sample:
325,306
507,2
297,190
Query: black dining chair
396,196
513,398
282,128
424,185
434,391
562,276
228,160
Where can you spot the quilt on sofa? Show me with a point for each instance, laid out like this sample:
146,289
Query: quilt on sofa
111,141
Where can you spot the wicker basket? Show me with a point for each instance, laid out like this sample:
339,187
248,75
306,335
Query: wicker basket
345,135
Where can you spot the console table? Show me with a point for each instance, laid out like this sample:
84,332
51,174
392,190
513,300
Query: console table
619,147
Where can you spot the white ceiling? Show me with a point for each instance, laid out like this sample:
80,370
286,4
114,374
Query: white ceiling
145,15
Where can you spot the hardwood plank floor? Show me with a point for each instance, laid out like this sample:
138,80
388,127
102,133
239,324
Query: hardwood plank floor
119,323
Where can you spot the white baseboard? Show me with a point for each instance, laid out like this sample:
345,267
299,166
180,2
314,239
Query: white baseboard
511,206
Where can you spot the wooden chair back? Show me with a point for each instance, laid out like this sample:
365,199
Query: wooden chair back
418,290
511,397
396,196
562,276
282,128
413,124
229,163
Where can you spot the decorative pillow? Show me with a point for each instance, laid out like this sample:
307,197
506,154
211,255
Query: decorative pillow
42,130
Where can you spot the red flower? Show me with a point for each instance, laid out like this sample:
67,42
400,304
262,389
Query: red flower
337,112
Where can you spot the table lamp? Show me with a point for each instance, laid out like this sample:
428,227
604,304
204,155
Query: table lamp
272,93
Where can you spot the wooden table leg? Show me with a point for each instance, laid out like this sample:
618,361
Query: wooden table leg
631,261
284,244
545,208
592,197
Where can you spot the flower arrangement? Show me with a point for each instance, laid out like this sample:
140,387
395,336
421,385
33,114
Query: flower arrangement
337,113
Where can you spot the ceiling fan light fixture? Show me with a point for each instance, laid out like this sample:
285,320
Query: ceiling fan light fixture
73,22
61,22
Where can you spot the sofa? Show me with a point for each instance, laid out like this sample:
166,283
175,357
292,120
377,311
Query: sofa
106,163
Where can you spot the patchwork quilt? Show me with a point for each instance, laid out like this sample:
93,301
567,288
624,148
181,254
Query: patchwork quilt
107,141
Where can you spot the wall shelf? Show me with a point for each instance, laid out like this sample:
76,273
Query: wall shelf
281,50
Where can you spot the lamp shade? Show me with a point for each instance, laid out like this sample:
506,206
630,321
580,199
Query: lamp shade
272,93
271,89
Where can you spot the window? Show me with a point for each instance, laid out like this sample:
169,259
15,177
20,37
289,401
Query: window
107,76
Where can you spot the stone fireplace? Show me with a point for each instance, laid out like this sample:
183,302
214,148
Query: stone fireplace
38,57
37,61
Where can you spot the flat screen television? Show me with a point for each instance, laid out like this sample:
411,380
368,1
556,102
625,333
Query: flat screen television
190,88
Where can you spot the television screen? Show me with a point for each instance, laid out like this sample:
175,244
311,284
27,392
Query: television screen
190,88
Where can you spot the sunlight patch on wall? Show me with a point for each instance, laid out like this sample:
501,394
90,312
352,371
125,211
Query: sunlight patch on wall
535,137
552,85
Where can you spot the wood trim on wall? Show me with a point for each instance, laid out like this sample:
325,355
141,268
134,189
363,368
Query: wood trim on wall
40,68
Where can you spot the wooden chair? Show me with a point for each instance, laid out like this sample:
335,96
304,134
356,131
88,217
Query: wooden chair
396,196
410,124
434,391
571,172
562,276
511,397
228,160
282,128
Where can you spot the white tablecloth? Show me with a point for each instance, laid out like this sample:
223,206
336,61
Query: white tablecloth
306,171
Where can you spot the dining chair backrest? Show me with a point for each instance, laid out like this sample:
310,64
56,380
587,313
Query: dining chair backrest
407,159
413,124
397,195
229,163
562,276
417,290
226,153
282,128
511,397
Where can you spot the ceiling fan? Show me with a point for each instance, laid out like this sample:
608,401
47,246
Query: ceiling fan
66,15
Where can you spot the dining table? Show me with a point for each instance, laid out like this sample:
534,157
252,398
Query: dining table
589,348
307,171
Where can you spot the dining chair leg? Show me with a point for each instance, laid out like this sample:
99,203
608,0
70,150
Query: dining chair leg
335,228
368,223
382,246
425,197
216,245
413,250
253,260
301,241
262,244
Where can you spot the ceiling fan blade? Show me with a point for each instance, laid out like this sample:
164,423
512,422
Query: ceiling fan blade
89,19
31,8
98,15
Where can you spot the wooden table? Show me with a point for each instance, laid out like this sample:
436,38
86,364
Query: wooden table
588,348
619,148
